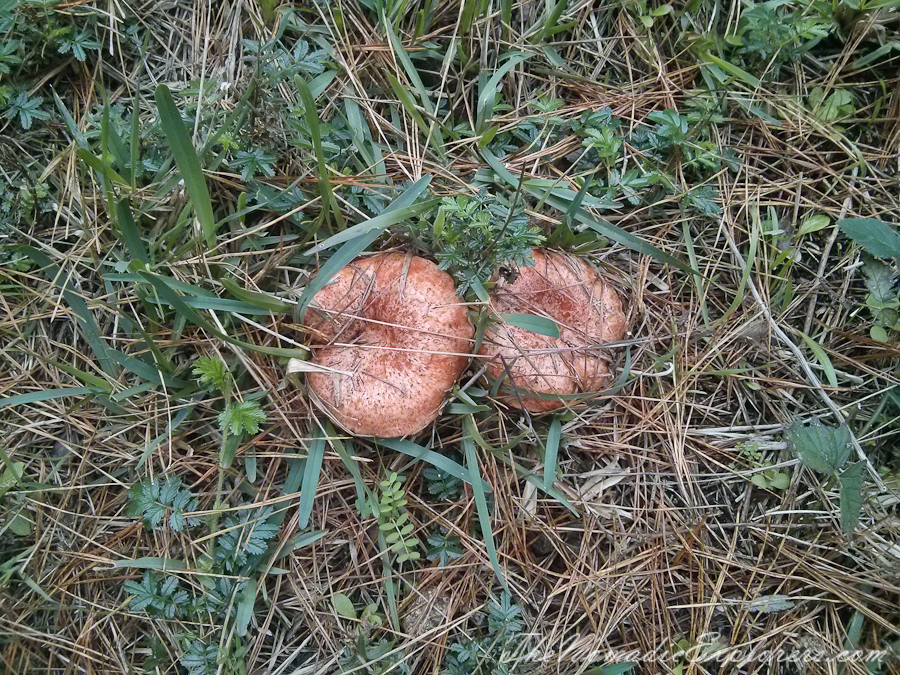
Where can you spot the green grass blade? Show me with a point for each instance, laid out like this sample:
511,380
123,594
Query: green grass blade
821,357
259,300
432,131
134,144
85,319
188,162
145,371
551,450
244,607
71,125
310,479
484,514
222,305
101,167
401,208
362,137
745,273
312,122
353,467
536,324
609,230
488,96
734,71
44,395
129,231
436,459
377,224
410,106
184,287
151,563
178,304
341,258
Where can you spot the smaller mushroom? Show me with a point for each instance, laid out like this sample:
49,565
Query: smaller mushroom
542,368
395,337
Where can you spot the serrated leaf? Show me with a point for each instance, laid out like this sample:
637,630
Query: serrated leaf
821,448
343,606
851,495
876,236
243,416
883,300
168,586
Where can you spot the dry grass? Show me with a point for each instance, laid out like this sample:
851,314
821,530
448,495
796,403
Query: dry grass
673,540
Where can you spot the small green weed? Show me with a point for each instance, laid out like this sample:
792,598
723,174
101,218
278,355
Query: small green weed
494,651
880,240
472,237
393,519
826,450
156,595
153,500
443,548
442,485
772,34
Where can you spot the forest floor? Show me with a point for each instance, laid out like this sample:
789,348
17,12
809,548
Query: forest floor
171,177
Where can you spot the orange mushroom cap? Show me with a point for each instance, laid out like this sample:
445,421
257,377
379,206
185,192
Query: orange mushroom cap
587,310
396,338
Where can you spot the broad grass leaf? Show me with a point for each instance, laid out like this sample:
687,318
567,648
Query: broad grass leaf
536,324
551,452
481,506
851,495
436,459
188,162
401,208
244,610
151,563
131,236
488,95
821,448
312,122
879,238
310,480
44,395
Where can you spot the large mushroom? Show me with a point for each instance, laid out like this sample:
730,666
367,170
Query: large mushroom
543,369
394,337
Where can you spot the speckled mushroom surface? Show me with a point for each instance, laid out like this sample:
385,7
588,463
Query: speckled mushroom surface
396,336
586,308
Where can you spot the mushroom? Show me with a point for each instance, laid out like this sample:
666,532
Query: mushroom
588,313
396,338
